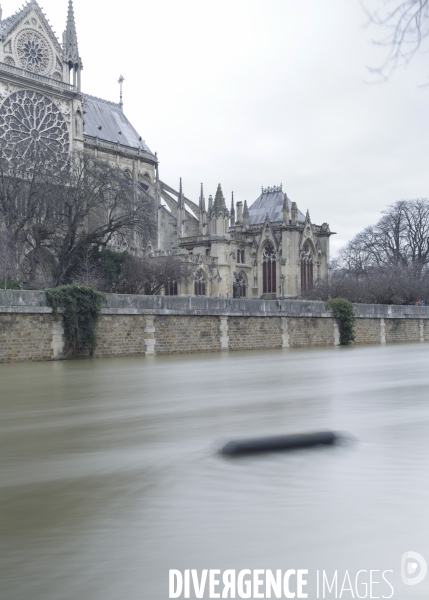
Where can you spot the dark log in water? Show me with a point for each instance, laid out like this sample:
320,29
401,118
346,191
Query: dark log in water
278,443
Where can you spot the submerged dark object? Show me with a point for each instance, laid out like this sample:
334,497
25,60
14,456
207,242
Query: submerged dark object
279,442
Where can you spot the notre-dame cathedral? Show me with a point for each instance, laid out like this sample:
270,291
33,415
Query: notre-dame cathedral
267,248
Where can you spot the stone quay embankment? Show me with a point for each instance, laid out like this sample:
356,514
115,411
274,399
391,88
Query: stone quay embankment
145,325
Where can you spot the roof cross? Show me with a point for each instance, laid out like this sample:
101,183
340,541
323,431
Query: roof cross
121,81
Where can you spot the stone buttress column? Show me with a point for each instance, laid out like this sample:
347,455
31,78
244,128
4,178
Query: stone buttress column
382,331
224,338
336,333
149,335
285,332
57,344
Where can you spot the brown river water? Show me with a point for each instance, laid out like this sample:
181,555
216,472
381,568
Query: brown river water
109,475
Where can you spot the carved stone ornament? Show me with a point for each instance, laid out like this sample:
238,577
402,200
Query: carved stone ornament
273,189
63,107
34,52
31,125
6,89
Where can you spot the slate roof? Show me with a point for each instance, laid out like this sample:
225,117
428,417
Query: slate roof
271,203
105,120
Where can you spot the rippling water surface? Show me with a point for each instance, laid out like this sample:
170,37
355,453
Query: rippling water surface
109,476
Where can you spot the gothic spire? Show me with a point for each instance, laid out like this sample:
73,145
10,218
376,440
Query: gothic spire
246,216
286,209
180,190
202,200
245,209
71,49
232,211
219,201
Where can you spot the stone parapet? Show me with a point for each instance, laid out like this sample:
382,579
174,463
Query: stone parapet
197,305
147,325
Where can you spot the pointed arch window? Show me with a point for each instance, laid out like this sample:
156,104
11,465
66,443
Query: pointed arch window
240,285
306,268
199,284
269,263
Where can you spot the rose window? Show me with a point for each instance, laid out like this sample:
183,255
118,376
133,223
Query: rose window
32,126
34,52
269,254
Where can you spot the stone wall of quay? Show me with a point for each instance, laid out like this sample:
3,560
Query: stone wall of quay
368,331
25,337
310,331
401,330
120,335
175,334
254,333
144,325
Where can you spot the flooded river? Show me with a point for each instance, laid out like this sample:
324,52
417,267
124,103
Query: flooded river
110,477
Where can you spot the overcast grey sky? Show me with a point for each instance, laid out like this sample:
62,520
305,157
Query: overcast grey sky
261,92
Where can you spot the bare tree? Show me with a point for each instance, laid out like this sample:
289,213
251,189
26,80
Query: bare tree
24,199
383,285
149,275
385,263
56,211
88,271
399,239
165,270
8,257
407,26
98,205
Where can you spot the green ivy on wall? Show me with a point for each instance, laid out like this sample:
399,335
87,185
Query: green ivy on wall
81,308
342,310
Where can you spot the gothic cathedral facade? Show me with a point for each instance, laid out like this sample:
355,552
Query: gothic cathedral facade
268,248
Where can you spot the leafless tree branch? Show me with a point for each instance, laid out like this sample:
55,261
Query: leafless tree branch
407,24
